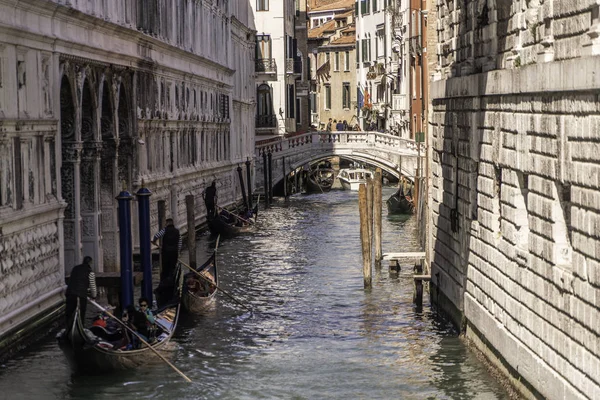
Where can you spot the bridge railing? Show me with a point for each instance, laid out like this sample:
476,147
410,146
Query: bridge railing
342,138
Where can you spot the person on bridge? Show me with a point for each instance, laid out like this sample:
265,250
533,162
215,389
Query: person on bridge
339,126
81,283
210,199
329,125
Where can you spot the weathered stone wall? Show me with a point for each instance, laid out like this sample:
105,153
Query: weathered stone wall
514,129
99,94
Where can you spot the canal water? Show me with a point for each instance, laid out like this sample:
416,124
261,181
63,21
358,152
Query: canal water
314,332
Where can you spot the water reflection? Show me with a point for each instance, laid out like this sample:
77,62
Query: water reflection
314,332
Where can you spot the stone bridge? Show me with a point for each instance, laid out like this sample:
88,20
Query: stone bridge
397,156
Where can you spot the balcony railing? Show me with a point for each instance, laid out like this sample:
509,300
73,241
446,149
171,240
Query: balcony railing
266,121
265,65
293,66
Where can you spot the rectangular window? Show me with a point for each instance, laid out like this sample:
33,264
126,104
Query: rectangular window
327,57
375,5
346,95
313,102
336,61
262,5
363,6
328,97
347,61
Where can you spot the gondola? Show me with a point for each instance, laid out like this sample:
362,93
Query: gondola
228,224
97,350
400,203
320,180
199,293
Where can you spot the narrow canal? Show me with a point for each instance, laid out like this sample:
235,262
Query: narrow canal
315,333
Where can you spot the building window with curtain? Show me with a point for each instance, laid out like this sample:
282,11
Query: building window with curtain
265,117
336,61
346,95
347,61
328,97
262,5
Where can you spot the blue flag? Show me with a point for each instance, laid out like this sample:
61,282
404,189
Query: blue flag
361,98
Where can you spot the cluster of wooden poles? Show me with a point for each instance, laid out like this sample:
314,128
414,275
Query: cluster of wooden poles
370,209
370,205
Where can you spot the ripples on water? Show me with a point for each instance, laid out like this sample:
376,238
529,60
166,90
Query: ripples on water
315,333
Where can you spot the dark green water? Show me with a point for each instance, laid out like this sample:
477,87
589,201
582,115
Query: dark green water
315,333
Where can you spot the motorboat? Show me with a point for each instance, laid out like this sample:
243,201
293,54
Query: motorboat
351,178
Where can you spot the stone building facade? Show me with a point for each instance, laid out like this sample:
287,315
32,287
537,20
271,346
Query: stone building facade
100,96
514,187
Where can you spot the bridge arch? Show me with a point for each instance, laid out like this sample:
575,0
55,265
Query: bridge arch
392,154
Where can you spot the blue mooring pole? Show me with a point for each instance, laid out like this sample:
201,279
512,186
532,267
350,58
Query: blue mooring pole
143,197
248,181
241,178
124,199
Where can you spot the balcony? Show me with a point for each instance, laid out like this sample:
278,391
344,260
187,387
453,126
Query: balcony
266,121
265,66
293,66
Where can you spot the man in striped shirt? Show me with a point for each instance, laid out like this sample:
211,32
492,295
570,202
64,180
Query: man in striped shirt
81,283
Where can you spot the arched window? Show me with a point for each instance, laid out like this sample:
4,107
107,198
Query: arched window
264,109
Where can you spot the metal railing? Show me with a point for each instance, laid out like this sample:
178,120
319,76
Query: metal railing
266,121
293,66
266,65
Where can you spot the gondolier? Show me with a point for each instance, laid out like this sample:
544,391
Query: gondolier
210,199
82,283
171,246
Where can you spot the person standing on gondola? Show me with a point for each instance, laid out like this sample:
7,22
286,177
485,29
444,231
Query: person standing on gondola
82,283
171,246
210,199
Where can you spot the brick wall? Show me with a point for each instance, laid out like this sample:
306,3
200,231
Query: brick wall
515,179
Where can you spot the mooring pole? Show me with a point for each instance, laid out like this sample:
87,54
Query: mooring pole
285,194
143,198
249,182
370,207
241,178
270,158
377,211
191,229
162,221
266,179
124,199
364,234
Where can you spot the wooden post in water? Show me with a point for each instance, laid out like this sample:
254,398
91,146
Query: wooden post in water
370,207
377,211
191,229
162,221
285,193
418,297
364,234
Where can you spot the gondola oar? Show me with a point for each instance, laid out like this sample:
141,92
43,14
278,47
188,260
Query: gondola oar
215,285
139,337
237,216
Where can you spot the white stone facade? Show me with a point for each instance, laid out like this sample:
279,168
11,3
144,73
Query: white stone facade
515,183
277,66
95,95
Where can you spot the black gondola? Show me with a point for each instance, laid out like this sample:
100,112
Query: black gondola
320,180
199,293
97,350
228,224
400,203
